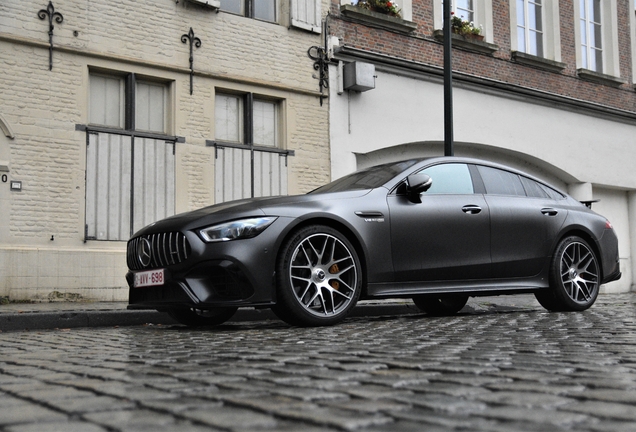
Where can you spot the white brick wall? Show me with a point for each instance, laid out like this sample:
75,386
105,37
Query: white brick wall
48,155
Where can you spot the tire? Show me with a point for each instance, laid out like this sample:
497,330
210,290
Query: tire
318,277
440,306
546,298
574,277
202,317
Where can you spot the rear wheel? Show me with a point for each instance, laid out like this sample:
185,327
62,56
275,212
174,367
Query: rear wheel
440,306
202,317
574,277
319,277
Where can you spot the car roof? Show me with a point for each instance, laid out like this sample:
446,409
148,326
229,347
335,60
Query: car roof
427,161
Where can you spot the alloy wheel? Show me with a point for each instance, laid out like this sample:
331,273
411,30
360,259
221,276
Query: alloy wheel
579,273
323,275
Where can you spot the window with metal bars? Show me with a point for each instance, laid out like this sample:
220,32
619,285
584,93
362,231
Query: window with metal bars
248,159
129,157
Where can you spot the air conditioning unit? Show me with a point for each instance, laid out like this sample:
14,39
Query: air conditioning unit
213,4
359,76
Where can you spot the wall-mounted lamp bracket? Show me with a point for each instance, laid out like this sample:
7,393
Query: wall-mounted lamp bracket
52,16
194,41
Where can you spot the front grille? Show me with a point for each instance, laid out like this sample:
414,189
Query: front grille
157,250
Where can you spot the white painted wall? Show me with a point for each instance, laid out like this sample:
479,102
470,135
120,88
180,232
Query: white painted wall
562,146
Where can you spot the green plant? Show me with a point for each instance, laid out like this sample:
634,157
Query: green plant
464,27
383,6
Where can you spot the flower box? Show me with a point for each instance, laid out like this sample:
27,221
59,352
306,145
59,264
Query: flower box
377,19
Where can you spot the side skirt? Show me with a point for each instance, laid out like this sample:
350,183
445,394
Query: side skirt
472,288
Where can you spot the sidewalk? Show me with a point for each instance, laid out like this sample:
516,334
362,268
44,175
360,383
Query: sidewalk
57,315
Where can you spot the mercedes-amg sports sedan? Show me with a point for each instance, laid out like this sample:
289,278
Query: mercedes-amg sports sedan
436,230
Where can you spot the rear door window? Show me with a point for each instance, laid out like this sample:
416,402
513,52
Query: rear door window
533,189
500,182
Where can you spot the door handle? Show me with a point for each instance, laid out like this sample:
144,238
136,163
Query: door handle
471,209
549,211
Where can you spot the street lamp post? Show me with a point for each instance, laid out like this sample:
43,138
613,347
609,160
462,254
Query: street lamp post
448,82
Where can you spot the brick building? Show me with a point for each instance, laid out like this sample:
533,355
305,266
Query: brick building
121,125
548,87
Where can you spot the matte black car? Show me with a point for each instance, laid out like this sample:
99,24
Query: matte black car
435,230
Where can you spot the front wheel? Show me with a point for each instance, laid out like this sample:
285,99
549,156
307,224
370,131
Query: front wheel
202,317
440,306
319,277
574,277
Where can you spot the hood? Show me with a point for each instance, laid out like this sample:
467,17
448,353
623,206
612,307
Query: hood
291,206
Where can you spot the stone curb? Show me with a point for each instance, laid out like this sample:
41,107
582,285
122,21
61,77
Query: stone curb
40,320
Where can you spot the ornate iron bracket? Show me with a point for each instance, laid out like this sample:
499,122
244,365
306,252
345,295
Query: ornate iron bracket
321,64
52,15
193,41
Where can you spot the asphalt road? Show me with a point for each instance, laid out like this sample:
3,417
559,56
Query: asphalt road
488,369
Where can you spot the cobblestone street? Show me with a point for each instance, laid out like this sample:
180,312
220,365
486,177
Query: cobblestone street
520,369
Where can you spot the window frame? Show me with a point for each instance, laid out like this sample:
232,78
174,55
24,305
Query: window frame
470,10
551,33
483,17
256,150
306,15
248,8
134,141
591,43
529,30
609,29
246,119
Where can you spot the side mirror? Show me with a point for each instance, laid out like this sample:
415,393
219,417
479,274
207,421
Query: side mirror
416,184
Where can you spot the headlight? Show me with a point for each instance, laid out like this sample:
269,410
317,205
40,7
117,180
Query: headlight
238,229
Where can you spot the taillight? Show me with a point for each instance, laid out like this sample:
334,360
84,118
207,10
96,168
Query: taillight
608,224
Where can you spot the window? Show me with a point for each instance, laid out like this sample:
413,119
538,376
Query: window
591,35
535,33
106,101
533,189
249,161
530,27
449,179
500,182
477,11
307,14
129,159
259,9
244,119
464,9
596,32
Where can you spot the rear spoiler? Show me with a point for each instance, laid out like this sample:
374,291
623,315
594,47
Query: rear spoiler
588,203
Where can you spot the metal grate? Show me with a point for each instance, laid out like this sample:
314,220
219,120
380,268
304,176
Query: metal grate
157,250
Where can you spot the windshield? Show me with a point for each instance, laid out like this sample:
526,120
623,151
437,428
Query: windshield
366,179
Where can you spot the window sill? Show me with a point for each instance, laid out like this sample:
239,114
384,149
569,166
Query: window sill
599,78
387,22
539,62
467,43
212,4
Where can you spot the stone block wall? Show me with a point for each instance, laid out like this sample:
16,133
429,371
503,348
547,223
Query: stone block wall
43,254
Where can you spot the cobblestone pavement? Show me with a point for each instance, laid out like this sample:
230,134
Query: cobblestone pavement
515,369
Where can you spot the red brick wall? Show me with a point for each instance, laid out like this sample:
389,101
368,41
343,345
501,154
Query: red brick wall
422,47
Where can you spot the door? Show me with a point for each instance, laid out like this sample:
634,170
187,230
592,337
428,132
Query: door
446,236
523,221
